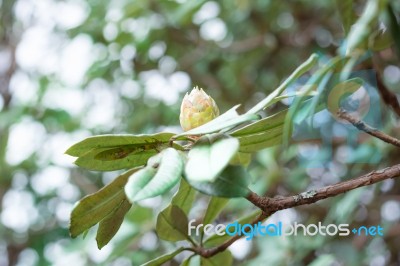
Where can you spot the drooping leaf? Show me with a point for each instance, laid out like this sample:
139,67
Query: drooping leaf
214,208
231,183
164,258
97,206
209,157
224,258
183,199
168,174
114,141
141,178
110,225
172,224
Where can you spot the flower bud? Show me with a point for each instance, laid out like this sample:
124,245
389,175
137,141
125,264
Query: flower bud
197,109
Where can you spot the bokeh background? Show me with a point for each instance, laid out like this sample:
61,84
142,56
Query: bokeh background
71,69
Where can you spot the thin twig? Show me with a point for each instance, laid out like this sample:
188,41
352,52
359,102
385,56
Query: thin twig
388,96
368,129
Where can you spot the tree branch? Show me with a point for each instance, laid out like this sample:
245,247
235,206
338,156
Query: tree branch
368,129
271,205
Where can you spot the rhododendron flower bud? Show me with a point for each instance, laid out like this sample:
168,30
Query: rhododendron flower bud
197,109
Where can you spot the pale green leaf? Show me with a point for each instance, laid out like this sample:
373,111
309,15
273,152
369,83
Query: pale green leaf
217,126
168,175
208,158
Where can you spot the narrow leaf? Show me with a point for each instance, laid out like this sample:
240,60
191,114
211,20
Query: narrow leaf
215,127
265,143
262,125
303,68
111,224
164,258
97,206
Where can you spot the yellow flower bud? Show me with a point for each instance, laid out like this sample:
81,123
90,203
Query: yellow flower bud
197,109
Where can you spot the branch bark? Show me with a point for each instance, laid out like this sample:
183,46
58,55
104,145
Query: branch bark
271,205
368,129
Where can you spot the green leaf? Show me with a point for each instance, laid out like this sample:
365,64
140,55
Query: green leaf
209,156
224,258
91,160
303,68
347,14
164,258
105,142
231,183
265,141
97,206
214,208
262,125
110,225
341,91
168,174
219,123
184,197
241,159
141,178
215,239
361,30
172,224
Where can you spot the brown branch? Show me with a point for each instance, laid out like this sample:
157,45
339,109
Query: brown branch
276,204
271,205
388,97
368,129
